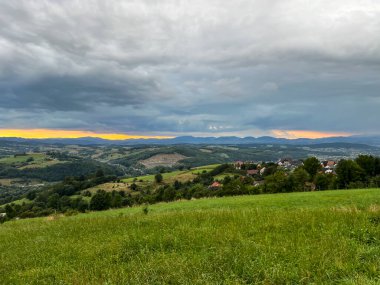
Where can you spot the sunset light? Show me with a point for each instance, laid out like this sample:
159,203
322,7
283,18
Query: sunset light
68,134
296,134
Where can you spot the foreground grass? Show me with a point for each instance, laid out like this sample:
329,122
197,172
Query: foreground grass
330,237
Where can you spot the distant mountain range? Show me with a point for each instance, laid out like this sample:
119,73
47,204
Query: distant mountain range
232,140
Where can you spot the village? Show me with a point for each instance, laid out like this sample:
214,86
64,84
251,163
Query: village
258,170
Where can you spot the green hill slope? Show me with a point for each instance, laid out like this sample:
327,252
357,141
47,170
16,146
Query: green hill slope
299,238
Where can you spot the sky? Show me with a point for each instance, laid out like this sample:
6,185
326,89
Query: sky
287,68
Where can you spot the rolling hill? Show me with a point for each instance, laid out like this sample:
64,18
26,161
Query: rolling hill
330,237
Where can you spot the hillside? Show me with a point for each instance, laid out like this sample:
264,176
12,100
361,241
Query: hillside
325,237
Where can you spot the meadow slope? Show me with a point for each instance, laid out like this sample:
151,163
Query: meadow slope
330,237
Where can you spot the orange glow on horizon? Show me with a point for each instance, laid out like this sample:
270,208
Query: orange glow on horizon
296,134
68,134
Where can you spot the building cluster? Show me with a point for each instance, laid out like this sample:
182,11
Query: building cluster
287,164
328,166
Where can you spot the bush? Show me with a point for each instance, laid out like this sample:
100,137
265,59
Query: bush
158,178
100,201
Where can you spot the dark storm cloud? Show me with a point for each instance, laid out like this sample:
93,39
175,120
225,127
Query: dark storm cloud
190,67
76,92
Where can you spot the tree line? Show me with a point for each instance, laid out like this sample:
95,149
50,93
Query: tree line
70,195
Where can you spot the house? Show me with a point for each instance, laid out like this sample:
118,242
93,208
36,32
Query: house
262,170
239,164
215,186
252,172
328,164
258,183
331,163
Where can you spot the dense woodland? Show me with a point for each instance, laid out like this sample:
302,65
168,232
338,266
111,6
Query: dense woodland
58,172
70,195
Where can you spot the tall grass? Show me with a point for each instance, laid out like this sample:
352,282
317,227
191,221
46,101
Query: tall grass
330,237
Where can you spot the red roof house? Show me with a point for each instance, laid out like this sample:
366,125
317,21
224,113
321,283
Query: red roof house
215,185
252,172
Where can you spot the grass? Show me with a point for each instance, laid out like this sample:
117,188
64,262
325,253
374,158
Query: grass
23,158
41,164
6,181
19,202
40,160
201,169
150,178
330,237
220,177
109,187
170,177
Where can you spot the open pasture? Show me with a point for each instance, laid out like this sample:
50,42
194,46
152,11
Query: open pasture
330,237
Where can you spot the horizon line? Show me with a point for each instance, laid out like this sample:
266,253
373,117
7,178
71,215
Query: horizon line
41,134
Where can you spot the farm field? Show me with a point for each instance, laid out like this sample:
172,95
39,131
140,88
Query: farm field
169,177
148,180
29,160
330,237
166,176
23,158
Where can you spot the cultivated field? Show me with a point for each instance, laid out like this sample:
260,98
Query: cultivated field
23,158
30,160
162,160
149,180
330,237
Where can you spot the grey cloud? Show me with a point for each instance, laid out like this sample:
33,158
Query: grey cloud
77,92
190,67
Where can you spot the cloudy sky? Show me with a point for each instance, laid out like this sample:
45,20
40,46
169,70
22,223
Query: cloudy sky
200,67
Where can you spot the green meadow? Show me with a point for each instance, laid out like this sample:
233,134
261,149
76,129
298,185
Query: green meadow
29,160
23,158
180,175
330,237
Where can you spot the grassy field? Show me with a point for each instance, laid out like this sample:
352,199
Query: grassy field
330,237
39,160
170,177
145,181
206,168
166,176
41,164
23,158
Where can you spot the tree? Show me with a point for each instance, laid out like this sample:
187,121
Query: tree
53,201
10,211
158,178
312,166
169,194
270,169
322,181
31,195
300,176
30,159
82,206
99,173
64,203
348,171
100,201
116,200
79,204
133,186
177,185
278,182
234,187
369,164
